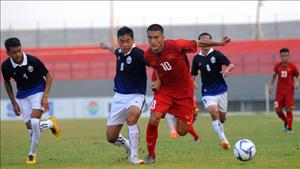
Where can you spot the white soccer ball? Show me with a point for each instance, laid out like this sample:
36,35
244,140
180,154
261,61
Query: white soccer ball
244,150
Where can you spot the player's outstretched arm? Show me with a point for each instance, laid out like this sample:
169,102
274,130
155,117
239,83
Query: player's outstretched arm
49,79
210,43
12,98
272,83
107,47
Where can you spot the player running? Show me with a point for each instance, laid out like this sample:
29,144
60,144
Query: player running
176,92
33,82
214,89
130,89
286,72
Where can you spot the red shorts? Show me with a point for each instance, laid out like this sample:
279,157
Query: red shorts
181,106
284,100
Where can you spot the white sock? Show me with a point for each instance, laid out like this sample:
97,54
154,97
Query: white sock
122,141
219,130
45,125
134,139
222,127
36,133
170,121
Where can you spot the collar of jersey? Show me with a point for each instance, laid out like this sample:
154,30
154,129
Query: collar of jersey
22,64
133,46
210,50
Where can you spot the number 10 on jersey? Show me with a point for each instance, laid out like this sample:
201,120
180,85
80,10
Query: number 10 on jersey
166,66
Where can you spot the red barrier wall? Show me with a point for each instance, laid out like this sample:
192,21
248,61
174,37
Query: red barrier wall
91,62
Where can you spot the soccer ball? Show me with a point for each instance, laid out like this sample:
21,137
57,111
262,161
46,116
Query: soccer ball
244,150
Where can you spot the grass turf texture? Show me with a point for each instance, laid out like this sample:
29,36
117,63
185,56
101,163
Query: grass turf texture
83,145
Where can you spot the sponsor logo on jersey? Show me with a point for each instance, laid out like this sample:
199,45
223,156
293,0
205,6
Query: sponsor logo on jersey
30,68
128,60
25,76
213,60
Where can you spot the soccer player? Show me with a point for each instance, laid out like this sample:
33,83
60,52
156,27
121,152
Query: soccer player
286,72
130,89
33,85
214,89
176,92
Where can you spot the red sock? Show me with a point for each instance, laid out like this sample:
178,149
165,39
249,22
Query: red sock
289,119
193,132
151,137
282,116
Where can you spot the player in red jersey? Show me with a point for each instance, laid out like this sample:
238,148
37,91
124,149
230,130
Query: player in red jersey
176,91
286,72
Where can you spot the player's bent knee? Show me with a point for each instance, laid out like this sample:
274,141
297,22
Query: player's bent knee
132,119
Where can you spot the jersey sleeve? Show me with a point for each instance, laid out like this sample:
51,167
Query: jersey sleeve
186,46
141,57
5,73
223,59
195,67
44,71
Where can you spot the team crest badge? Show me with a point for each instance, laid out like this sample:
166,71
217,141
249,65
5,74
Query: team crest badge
128,60
169,57
199,64
213,60
30,68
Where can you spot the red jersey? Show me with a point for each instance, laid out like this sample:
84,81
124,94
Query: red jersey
172,64
286,76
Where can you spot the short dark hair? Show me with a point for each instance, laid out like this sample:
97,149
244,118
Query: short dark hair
284,50
203,34
12,42
125,31
155,27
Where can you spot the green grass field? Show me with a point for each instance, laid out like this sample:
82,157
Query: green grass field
82,145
